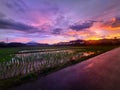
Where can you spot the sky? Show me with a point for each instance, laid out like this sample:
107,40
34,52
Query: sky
53,21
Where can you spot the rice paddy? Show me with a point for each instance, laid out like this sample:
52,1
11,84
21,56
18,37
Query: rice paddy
25,61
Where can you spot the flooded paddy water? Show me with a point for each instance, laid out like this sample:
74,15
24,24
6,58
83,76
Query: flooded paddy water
30,61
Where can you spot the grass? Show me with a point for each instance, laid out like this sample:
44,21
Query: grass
7,53
10,82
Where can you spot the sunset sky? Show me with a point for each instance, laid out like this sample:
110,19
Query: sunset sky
53,21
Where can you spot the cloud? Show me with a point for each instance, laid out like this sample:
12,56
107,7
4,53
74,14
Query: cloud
116,22
113,24
17,6
11,24
2,15
82,26
57,31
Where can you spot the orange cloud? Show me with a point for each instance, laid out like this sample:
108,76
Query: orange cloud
113,24
112,28
113,36
99,30
79,33
93,38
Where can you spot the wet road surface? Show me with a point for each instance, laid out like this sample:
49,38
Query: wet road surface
98,73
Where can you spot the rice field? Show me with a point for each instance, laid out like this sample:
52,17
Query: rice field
20,62
25,63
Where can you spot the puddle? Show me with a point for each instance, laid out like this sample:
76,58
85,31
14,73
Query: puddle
80,55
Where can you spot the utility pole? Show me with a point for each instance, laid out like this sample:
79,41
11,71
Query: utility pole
7,40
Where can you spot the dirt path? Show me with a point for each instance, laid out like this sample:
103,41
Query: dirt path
99,73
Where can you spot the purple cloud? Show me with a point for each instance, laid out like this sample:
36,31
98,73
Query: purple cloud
11,24
57,31
116,23
82,26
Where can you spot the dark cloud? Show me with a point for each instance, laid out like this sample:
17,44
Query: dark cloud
17,6
82,26
2,15
116,23
11,24
9,5
57,31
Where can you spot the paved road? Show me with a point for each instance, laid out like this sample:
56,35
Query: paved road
99,73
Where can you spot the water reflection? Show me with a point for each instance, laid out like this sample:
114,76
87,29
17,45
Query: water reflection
81,55
25,63
88,53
